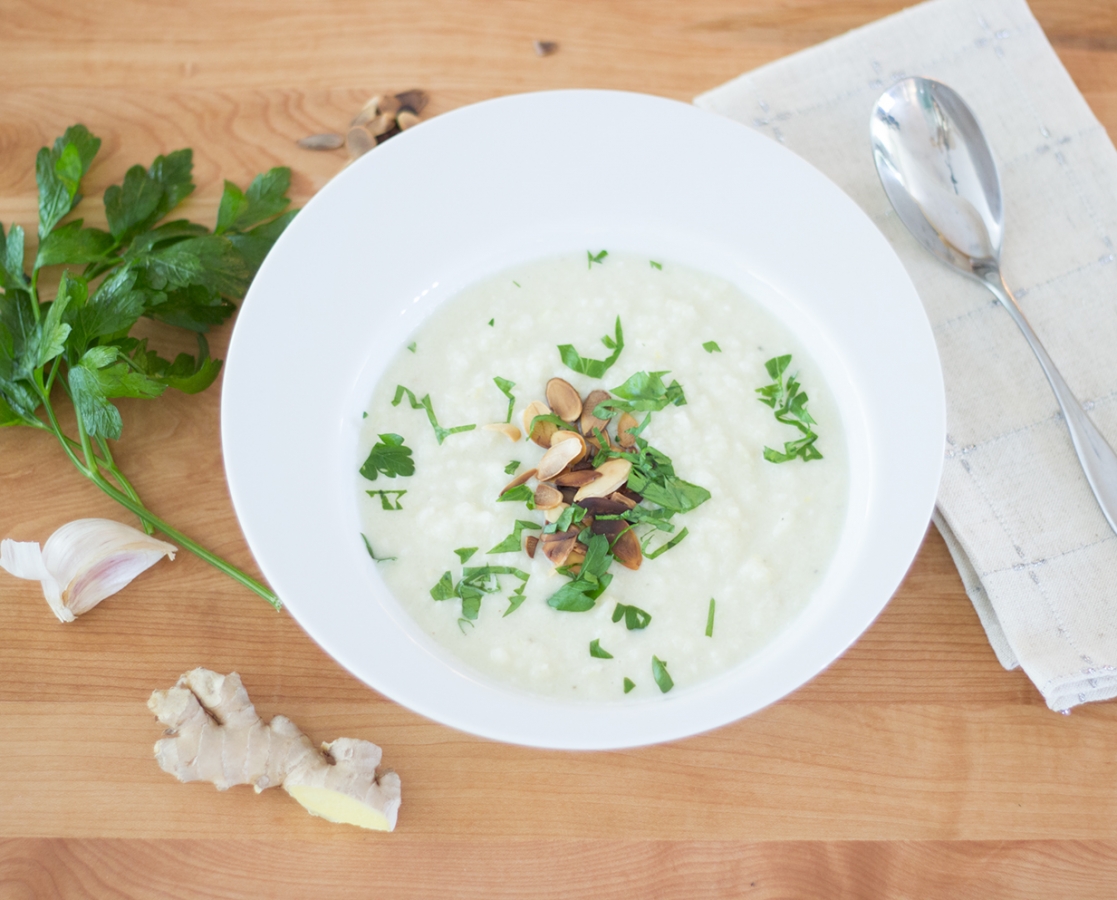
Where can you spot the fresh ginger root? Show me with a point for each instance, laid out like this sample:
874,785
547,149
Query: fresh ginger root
213,734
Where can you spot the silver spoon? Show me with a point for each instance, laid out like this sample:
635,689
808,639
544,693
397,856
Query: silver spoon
938,171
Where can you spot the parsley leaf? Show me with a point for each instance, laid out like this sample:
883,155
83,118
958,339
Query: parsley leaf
581,594
659,673
386,502
629,684
512,543
710,619
598,258
517,598
412,346
439,432
642,391
596,650
519,492
655,265
635,619
711,347
594,368
790,405
474,584
389,457
464,553
506,388
512,466
375,558
671,493
663,548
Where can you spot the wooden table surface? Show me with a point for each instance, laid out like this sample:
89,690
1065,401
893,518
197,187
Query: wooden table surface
913,767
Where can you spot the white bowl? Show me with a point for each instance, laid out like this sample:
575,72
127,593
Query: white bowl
502,182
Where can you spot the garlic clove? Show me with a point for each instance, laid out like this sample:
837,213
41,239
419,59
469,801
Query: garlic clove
84,562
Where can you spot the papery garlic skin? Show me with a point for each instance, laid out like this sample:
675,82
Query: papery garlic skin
84,562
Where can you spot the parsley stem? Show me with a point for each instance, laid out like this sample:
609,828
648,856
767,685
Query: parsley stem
92,471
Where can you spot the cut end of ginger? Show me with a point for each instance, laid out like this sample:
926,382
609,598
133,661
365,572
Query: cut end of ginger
214,734
333,806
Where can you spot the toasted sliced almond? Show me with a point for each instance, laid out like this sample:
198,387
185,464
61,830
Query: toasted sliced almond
626,423
613,473
621,498
542,432
558,458
406,119
414,100
589,420
530,544
547,497
558,545
358,142
576,477
322,142
603,506
552,514
626,548
381,124
506,428
387,104
522,478
562,435
564,399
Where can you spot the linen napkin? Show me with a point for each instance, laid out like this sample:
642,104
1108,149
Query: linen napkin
1036,556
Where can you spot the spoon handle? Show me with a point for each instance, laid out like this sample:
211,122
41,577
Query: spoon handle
1098,460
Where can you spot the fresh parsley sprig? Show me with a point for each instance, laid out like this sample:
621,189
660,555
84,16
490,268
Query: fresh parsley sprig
790,405
476,581
79,341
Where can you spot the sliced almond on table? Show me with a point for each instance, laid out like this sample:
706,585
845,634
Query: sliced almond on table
542,432
406,119
506,428
589,421
358,142
387,104
613,473
522,478
414,100
564,399
576,477
547,497
552,514
559,457
626,423
322,142
381,124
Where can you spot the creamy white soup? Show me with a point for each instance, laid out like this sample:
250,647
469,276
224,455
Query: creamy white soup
760,525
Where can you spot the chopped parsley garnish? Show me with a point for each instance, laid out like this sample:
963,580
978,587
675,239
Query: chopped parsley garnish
512,466
670,492
464,553
710,619
462,623
475,582
388,457
491,321
506,388
634,617
517,597
561,424
596,650
644,391
572,515
385,501
513,543
594,368
790,405
375,558
656,265
659,673
629,684
439,432
516,283
580,594
711,347
364,415
598,258
411,346
663,548
519,492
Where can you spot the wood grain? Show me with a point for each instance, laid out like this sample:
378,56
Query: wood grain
913,766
